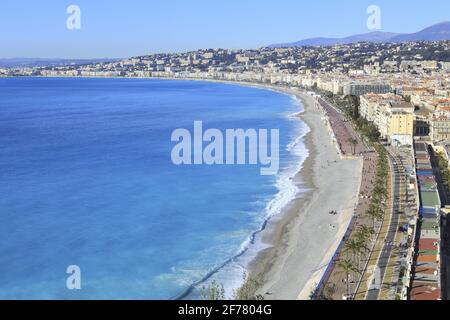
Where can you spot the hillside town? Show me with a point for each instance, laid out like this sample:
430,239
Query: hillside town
402,90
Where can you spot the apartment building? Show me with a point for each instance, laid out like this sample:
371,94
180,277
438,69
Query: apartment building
359,89
396,123
440,125
370,104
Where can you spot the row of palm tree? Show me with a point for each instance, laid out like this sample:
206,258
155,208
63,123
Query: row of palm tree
348,267
354,248
380,191
359,242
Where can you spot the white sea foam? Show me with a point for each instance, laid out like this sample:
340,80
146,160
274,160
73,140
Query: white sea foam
231,275
286,185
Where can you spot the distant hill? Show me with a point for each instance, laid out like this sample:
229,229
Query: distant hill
38,62
437,32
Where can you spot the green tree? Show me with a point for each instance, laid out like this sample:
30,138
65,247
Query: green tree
354,143
356,247
248,290
347,267
364,233
374,213
214,291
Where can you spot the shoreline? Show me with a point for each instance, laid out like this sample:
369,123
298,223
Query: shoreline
298,255
300,240
291,267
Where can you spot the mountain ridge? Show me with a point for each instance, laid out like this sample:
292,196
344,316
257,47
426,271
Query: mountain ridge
436,32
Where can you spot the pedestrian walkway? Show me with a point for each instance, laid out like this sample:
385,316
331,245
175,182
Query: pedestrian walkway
334,283
348,141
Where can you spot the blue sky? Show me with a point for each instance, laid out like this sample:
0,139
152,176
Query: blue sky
118,28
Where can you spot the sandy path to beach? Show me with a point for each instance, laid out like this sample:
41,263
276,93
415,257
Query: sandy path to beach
305,237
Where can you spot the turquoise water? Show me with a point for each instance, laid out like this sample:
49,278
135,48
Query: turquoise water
86,179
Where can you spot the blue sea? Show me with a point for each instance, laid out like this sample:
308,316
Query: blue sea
86,179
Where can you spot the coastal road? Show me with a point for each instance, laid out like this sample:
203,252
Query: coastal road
383,260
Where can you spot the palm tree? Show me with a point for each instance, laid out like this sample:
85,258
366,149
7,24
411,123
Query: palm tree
354,142
352,246
365,233
380,188
374,213
348,267
356,246
379,193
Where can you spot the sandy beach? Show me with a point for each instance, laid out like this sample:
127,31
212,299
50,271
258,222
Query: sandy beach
304,238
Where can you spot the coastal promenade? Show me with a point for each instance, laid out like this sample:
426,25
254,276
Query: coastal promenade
349,142
379,276
334,283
